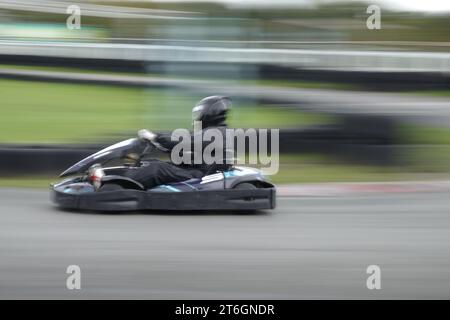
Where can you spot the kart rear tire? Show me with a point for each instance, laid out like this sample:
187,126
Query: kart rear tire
110,187
245,186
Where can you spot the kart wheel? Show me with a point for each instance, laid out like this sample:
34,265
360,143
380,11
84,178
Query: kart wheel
245,186
110,187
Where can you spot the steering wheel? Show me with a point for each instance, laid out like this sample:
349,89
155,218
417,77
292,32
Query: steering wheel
134,157
153,145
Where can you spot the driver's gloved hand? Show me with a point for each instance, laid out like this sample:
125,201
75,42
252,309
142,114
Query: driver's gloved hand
145,134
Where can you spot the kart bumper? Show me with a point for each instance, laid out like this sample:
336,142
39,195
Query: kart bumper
132,200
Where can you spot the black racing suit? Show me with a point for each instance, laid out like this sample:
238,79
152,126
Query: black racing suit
161,172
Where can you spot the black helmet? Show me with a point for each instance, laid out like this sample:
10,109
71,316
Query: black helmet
211,111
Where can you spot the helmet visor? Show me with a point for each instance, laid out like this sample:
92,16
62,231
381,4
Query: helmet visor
197,112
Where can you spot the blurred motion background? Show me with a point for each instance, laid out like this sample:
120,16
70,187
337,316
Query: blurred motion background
352,104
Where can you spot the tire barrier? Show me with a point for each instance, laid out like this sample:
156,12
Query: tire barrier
371,80
23,160
362,143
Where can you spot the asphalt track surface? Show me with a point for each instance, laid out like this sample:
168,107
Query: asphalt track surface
311,247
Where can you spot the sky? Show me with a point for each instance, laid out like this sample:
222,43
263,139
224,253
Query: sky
404,5
416,5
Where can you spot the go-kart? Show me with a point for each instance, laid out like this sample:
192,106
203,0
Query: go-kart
99,184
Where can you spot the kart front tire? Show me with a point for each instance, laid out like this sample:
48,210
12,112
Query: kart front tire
245,186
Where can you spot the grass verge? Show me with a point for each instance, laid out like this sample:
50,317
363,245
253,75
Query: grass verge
43,112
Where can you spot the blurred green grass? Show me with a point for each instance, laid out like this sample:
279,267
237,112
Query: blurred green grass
46,112
60,69
301,84
433,93
58,112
